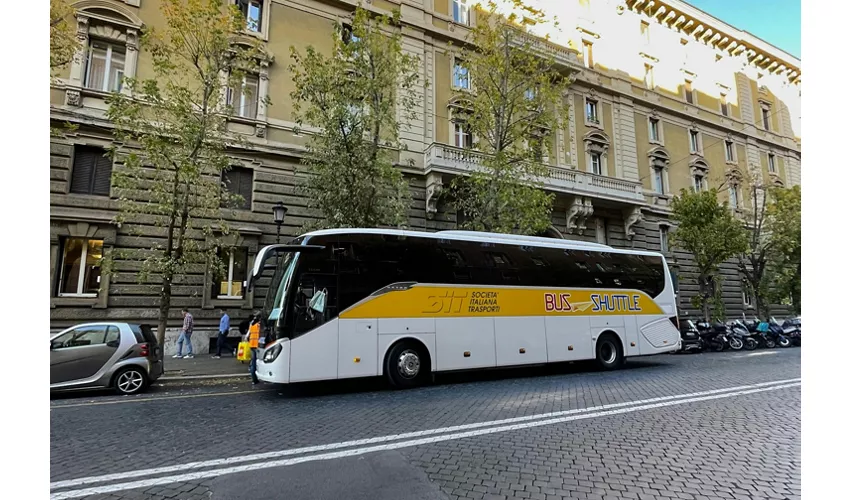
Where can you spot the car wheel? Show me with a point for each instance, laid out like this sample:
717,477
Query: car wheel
609,352
130,380
407,365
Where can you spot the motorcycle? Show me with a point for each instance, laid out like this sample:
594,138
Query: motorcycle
790,328
758,331
713,336
739,336
691,341
775,331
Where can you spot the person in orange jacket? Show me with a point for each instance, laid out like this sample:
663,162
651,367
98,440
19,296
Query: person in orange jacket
254,344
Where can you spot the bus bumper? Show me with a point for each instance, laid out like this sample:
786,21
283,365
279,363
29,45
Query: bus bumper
273,362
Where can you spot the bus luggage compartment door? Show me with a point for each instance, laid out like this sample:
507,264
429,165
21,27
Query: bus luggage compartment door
358,348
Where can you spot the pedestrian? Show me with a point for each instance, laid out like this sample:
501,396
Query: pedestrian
223,330
185,335
254,344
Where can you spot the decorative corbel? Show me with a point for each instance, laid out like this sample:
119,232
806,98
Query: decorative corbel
585,211
433,189
573,211
632,217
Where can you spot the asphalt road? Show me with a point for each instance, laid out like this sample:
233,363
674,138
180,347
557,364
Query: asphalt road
708,426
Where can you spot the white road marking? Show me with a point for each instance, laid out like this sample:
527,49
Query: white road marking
564,416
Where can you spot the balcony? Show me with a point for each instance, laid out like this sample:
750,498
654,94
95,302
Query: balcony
451,160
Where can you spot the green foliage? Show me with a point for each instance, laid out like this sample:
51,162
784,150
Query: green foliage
514,103
784,224
63,35
357,97
710,233
172,135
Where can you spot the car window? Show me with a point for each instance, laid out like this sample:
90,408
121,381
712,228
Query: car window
137,332
83,336
112,334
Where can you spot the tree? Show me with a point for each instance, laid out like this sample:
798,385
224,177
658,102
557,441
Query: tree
711,234
63,37
784,224
175,130
754,260
513,100
356,96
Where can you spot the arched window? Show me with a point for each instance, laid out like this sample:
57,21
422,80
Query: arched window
596,145
699,175
108,53
659,161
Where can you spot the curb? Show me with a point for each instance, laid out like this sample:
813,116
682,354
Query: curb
201,377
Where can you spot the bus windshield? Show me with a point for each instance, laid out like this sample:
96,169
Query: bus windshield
276,296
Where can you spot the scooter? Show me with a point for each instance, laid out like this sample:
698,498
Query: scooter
739,336
691,341
713,336
774,331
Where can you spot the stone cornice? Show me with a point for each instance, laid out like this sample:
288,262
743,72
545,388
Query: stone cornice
707,29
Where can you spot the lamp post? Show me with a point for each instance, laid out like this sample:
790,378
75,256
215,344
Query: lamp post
279,213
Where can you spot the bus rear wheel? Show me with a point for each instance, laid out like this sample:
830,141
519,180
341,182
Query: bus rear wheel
407,365
609,352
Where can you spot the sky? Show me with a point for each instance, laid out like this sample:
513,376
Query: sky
774,21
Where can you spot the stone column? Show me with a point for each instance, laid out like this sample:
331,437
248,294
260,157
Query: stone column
78,63
131,58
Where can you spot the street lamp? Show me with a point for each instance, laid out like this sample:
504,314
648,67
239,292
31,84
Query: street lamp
279,212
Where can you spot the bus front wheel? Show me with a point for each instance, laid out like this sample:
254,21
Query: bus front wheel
407,365
609,352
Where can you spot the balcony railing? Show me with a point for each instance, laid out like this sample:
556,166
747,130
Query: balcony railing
449,159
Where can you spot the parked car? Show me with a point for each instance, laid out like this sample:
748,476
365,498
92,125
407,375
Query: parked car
121,356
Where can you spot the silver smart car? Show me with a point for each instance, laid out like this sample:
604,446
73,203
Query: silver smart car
121,356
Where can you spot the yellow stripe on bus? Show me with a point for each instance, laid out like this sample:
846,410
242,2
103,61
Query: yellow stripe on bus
452,302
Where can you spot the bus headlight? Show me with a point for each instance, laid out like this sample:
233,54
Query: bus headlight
272,353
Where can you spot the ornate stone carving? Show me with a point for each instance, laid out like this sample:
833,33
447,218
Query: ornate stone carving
260,130
433,189
579,210
72,98
632,217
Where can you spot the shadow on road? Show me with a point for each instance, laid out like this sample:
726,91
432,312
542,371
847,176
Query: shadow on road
362,385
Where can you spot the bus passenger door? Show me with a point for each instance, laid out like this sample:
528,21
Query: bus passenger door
358,348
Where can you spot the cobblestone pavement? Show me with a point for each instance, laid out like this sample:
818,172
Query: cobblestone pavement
714,444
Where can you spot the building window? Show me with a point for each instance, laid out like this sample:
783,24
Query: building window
765,117
733,196
771,163
105,66
730,152
92,172
460,75
648,76
699,182
689,92
644,31
596,163
462,134
587,53
245,98
695,141
253,12
658,179
239,181
602,231
724,106
654,135
663,238
592,111
460,12
234,267
80,268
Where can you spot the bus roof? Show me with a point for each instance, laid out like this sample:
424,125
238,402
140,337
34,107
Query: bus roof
481,236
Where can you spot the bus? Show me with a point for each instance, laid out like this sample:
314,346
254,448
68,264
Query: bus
345,303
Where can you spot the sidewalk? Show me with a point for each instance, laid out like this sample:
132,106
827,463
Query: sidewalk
203,366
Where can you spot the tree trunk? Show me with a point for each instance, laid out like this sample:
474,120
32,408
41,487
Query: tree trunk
164,308
704,293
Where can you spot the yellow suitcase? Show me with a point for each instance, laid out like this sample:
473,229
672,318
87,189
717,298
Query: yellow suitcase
243,353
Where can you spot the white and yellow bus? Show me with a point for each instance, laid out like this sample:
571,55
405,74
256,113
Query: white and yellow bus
405,304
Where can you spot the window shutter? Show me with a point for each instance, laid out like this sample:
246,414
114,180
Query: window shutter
102,176
246,186
84,166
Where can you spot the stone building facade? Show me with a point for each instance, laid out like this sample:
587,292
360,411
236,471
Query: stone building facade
666,97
